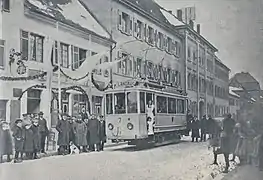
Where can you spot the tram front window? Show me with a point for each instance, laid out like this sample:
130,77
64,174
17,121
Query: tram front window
132,102
119,102
109,109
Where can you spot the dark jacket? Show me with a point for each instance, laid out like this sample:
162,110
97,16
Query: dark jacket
36,137
94,127
29,140
72,131
80,134
63,129
43,126
18,134
6,147
103,136
227,135
203,124
195,128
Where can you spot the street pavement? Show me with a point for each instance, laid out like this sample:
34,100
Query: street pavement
245,173
183,161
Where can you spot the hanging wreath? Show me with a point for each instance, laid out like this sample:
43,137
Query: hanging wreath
28,78
97,86
74,79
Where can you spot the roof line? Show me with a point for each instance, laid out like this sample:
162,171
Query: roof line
96,19
199,35
221,63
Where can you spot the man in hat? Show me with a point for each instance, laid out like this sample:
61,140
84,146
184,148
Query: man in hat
19,140
43,131
63,128
203,126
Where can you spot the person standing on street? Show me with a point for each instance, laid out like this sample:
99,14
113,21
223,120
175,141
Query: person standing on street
6,147
18,135
203,126
63,129
28,148
43,131
36,137
103,136
195,129
94,126
80,135
226,137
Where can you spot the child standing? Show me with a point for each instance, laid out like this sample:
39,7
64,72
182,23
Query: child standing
5,141
19,140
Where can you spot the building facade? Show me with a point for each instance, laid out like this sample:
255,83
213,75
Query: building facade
234,102
39,31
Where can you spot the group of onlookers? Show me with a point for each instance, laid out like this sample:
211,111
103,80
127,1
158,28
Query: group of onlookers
240,138
86,132
29,135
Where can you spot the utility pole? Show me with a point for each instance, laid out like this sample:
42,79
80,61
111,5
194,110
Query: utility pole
59,66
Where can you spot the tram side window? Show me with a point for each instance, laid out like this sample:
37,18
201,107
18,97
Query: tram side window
119,102
142,102
132,102
109,104
171,106
180,105
161,104
149,97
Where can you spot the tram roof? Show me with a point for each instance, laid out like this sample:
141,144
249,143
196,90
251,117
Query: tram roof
145,89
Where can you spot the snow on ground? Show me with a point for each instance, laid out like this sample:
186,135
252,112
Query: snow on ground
183,161
77,13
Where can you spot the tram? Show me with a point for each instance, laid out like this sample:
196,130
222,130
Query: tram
126,114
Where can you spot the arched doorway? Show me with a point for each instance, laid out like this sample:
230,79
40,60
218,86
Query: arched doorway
201,109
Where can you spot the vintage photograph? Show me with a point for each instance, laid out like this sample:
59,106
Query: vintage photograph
131,90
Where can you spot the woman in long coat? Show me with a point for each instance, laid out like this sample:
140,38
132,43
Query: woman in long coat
94,125
6,147
63,129
29,141
80,134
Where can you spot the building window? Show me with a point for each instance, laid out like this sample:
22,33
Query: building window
170,44
125,23
31,46
150,35
78,56
3,109
138,29
33,100
55,46
160,40
125,66
6,5
2,52
189,54
64,51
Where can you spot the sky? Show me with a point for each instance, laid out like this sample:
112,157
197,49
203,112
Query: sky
235,27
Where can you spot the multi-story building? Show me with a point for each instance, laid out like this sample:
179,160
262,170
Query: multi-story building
32,27
147,38
174,47
234,102
206,76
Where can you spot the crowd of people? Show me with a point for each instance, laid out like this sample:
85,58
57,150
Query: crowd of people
240,138
29,135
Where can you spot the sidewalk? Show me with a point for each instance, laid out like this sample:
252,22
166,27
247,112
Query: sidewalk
54,152
247,172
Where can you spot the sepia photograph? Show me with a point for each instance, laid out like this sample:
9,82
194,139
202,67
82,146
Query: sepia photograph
131,90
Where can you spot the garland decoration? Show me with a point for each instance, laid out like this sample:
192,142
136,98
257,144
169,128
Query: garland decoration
12,55
74,79
31,87
97,85
28,78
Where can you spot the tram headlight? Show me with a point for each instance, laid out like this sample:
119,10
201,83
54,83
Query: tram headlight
110,126
130,126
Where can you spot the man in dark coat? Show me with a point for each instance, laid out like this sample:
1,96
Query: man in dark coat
63,129
226,137
6,147
94,125
80,134
28,141
203,126
43,131
195,129
36,138
18,135
103,136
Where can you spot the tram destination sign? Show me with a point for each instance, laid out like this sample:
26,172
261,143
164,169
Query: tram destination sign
124,84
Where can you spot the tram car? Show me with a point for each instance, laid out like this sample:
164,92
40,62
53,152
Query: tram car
132,111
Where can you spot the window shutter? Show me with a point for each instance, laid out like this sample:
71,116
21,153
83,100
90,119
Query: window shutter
145,33
156,38
131,25
120,20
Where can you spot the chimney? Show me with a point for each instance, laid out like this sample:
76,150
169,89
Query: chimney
191,24
198,28
180,14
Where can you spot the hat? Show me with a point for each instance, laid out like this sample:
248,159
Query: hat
24,115
18,120
40,113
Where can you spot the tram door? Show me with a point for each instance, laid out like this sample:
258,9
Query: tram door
150,98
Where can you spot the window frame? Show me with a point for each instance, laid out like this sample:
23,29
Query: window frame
2,46
128,102
4,7
157,104
79,61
